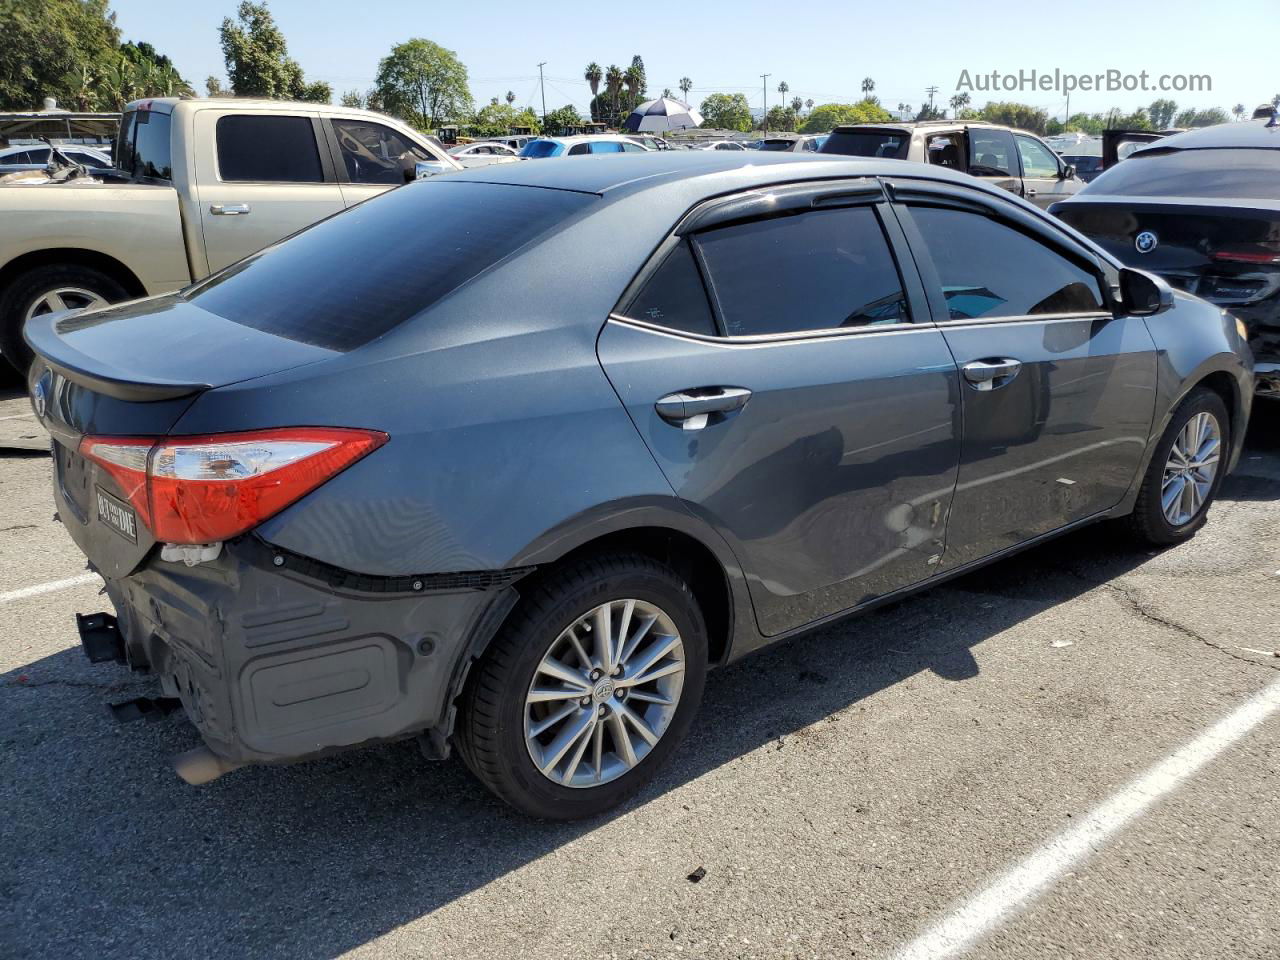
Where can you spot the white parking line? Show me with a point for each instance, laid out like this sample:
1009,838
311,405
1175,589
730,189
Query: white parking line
1011,891
49,587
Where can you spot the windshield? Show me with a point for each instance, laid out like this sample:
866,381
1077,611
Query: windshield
868,143
777,145
417,244
541,148
1228,172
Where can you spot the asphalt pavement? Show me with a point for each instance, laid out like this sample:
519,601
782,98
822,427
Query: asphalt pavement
841,795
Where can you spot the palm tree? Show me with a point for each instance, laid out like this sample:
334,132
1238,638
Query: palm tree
868,87
593,75
685,86
796,105
613,81
783,87
667,94
511,97
633,78
808,105
958,103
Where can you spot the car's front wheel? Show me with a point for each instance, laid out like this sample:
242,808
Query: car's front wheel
587,690
1185,472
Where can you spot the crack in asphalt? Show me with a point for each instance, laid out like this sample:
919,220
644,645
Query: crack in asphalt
1134,603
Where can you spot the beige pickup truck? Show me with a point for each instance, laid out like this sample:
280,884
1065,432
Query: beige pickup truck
199,185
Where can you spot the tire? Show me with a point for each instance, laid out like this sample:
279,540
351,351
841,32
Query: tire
1149,521
496,715
28,288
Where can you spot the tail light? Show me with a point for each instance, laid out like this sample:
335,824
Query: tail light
206,489
1252,255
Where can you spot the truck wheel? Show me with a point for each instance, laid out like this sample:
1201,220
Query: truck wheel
587,689
1185,472
48,289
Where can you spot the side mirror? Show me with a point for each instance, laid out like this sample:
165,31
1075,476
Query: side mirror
428,168
1142,294
1068,172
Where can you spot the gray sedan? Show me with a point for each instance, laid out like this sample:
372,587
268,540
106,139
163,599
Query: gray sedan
342,499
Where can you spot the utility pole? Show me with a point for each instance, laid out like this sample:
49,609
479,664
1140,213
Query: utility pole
543,87
931,91
764,87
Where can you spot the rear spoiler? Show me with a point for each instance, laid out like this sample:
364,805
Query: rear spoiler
42,336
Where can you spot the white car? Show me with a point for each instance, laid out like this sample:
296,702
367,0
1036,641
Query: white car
578,146
36,157
483,148
722,145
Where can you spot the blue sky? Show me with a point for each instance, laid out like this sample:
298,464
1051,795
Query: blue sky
821,48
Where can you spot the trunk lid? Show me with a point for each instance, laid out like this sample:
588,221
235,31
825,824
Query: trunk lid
132,371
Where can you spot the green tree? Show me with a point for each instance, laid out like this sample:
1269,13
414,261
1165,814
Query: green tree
781,119
823,118
497,119
1202,118
808,104
929,112
685,86
593,75
49,47
213,87
258,61
667,94
1020,115
353,98
796,105
511,97
423,83
783,88
613,83
726,111
641,79
868,88
1238,110
1162,112
563,119
958,102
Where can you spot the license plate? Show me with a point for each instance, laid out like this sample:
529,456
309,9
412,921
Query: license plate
117,515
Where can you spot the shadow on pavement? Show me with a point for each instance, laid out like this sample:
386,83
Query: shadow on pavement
318,858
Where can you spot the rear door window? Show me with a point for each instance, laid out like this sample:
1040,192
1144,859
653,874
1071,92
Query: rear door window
674,297
268,149
820,270
579,149
606,146
988,269
430,238
144,152
991,153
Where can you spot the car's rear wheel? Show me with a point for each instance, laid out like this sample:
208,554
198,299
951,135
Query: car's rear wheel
1185,472
49,289
588,689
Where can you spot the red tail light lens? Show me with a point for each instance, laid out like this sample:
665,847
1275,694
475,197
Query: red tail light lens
205,489
1247,256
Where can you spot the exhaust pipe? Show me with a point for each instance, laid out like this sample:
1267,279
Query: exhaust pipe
201,765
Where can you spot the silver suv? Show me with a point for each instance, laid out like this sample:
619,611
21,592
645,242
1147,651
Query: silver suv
1014,160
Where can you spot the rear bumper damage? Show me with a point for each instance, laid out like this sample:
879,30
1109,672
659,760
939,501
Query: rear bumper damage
277,658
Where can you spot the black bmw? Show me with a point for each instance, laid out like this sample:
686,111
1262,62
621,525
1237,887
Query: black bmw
1202,210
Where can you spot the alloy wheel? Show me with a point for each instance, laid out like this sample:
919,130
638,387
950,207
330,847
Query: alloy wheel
604,693
64,298
1190,469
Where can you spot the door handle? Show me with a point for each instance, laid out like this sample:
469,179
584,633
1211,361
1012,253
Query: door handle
229,209
1031,191
991,374
695,408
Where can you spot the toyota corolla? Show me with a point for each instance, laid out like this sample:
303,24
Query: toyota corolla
506,460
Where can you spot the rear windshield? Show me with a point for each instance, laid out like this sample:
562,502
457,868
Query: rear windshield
1240,172
540,148
143,151
777,145
868,143
353,277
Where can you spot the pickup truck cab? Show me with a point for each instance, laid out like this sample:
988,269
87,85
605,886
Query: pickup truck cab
198,185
